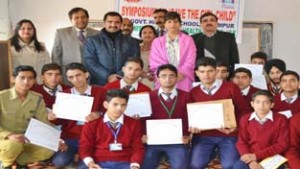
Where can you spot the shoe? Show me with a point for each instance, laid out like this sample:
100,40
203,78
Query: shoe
19,166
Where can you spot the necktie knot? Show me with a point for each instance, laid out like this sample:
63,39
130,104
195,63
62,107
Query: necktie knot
113,125
209,90
168,96
289,100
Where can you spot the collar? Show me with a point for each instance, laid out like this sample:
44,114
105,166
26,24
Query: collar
23,44
174,93
87,92
50,91
169,40
119,120
245,91
216,85
269,116
283,97
13,94
78,30
210,35
134,85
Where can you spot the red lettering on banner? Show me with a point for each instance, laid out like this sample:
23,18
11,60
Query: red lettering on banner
132,11
226,15
193,14
181,12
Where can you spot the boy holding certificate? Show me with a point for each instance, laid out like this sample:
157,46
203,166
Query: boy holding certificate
17,106
168,102
113,140
287,102
78,76
204,143
132,69
51,78
293,153
262,134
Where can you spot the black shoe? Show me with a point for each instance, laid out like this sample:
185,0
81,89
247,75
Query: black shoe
19,166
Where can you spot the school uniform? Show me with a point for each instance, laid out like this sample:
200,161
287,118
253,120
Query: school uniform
71,130
168,107
253,137
204,143
98,135
282,103
247,94
136,87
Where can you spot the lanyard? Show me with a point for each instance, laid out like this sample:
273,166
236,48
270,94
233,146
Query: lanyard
170,112
114,132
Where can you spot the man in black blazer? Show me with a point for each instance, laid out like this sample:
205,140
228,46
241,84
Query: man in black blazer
216,44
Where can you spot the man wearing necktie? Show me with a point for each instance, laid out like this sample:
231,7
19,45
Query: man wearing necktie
68,43
168,102
113,140
287,102
158,16
78,75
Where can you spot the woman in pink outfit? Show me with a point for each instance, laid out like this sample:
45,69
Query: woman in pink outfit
175,48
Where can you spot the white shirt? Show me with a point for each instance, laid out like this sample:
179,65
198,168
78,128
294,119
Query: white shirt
174,93
245,91
88,91
50,92
134,85
78,32
216,85
175,42
254,116
283,97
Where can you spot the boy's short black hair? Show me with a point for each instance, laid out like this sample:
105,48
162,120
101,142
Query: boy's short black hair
110,94
243,70
135,60
166,67
172,16
112,13
23,68
75,65
206,61
259,55
77,9
51,66
208,14
290,72
266,93
222,64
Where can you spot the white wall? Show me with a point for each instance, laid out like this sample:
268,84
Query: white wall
49,15
286,27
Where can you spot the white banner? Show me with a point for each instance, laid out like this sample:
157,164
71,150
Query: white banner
229,13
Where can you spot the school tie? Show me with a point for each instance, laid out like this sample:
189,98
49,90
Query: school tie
168,96
113,125
209,91
81,36
289,100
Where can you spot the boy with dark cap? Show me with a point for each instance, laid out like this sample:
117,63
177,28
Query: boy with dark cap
274,69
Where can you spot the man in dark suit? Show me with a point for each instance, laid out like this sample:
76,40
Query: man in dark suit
216,44
159,19
68,43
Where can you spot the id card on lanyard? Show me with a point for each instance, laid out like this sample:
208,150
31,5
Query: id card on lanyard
115,146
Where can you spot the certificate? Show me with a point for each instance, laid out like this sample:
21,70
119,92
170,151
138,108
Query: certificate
259,81
255,69
206,116
273,162
139,104
72,107
288,113
42,134
211,114
160,132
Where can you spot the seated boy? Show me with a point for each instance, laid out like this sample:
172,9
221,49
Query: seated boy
113,140
262,133
132,69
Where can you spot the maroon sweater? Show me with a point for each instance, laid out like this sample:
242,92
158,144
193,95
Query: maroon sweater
117,85
96,137
227,90
70,129
283,105
180,112
293,153
49,99
248,97
265,140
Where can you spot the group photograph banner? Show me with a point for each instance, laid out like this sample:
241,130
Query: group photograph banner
229,13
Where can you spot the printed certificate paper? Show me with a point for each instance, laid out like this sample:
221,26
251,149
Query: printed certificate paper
42,134
164,131
72,107
273,162
139,104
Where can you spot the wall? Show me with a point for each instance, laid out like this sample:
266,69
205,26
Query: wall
49,15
